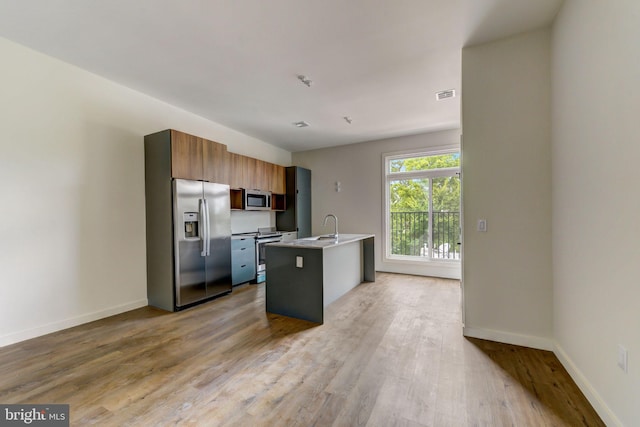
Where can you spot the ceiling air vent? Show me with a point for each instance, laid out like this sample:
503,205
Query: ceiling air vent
304,79
451,93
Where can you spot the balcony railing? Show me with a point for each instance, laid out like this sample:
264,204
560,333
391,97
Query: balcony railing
410,234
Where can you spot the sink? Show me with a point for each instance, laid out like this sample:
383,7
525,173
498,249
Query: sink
321,237
327,237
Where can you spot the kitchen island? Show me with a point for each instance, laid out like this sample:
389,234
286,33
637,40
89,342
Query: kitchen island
306,275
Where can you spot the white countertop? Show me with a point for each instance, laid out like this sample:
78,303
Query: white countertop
323,241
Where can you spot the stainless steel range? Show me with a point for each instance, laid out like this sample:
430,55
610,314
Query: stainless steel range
264,236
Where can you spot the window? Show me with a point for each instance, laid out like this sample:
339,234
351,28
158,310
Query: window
422,206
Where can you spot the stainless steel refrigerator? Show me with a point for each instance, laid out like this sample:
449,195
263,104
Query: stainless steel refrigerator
200,247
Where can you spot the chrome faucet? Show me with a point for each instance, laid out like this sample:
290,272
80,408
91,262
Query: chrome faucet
335,220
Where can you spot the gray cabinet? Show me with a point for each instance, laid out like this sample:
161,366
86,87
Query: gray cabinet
243,260
297,216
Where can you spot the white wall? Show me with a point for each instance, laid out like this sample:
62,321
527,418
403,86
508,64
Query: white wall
72,240
359,205
507,181
596,273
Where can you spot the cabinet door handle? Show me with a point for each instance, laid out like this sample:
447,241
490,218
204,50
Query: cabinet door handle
242,266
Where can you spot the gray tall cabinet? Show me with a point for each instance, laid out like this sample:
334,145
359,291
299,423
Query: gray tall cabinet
297,216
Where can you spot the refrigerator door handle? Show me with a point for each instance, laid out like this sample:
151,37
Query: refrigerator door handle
204,223
206,209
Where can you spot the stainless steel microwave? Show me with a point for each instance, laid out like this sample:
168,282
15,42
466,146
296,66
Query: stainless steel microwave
256,200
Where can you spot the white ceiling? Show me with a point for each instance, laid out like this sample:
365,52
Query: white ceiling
235,62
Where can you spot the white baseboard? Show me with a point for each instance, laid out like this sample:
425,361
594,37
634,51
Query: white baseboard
69,323
531,341
443,272
587,389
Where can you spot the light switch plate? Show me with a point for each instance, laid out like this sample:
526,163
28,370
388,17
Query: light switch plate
299,261
482,225
622,358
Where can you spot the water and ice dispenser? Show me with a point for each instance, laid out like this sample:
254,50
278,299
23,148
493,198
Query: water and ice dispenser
191,221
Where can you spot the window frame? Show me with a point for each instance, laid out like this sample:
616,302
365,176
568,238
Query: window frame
388,176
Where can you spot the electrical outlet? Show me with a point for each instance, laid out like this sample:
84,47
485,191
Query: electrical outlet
482,225
622,358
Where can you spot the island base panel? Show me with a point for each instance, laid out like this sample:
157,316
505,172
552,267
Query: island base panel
342,270
292,291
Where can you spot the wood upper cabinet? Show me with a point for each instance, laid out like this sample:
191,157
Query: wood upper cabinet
186,156
215,162
261,175
278,184
250,177
235,171
247,172
197,158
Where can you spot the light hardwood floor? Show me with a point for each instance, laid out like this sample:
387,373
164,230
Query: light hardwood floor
390,353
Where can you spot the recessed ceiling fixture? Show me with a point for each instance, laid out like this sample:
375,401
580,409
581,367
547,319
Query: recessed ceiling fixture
301,124
348,119
451,93
305,80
